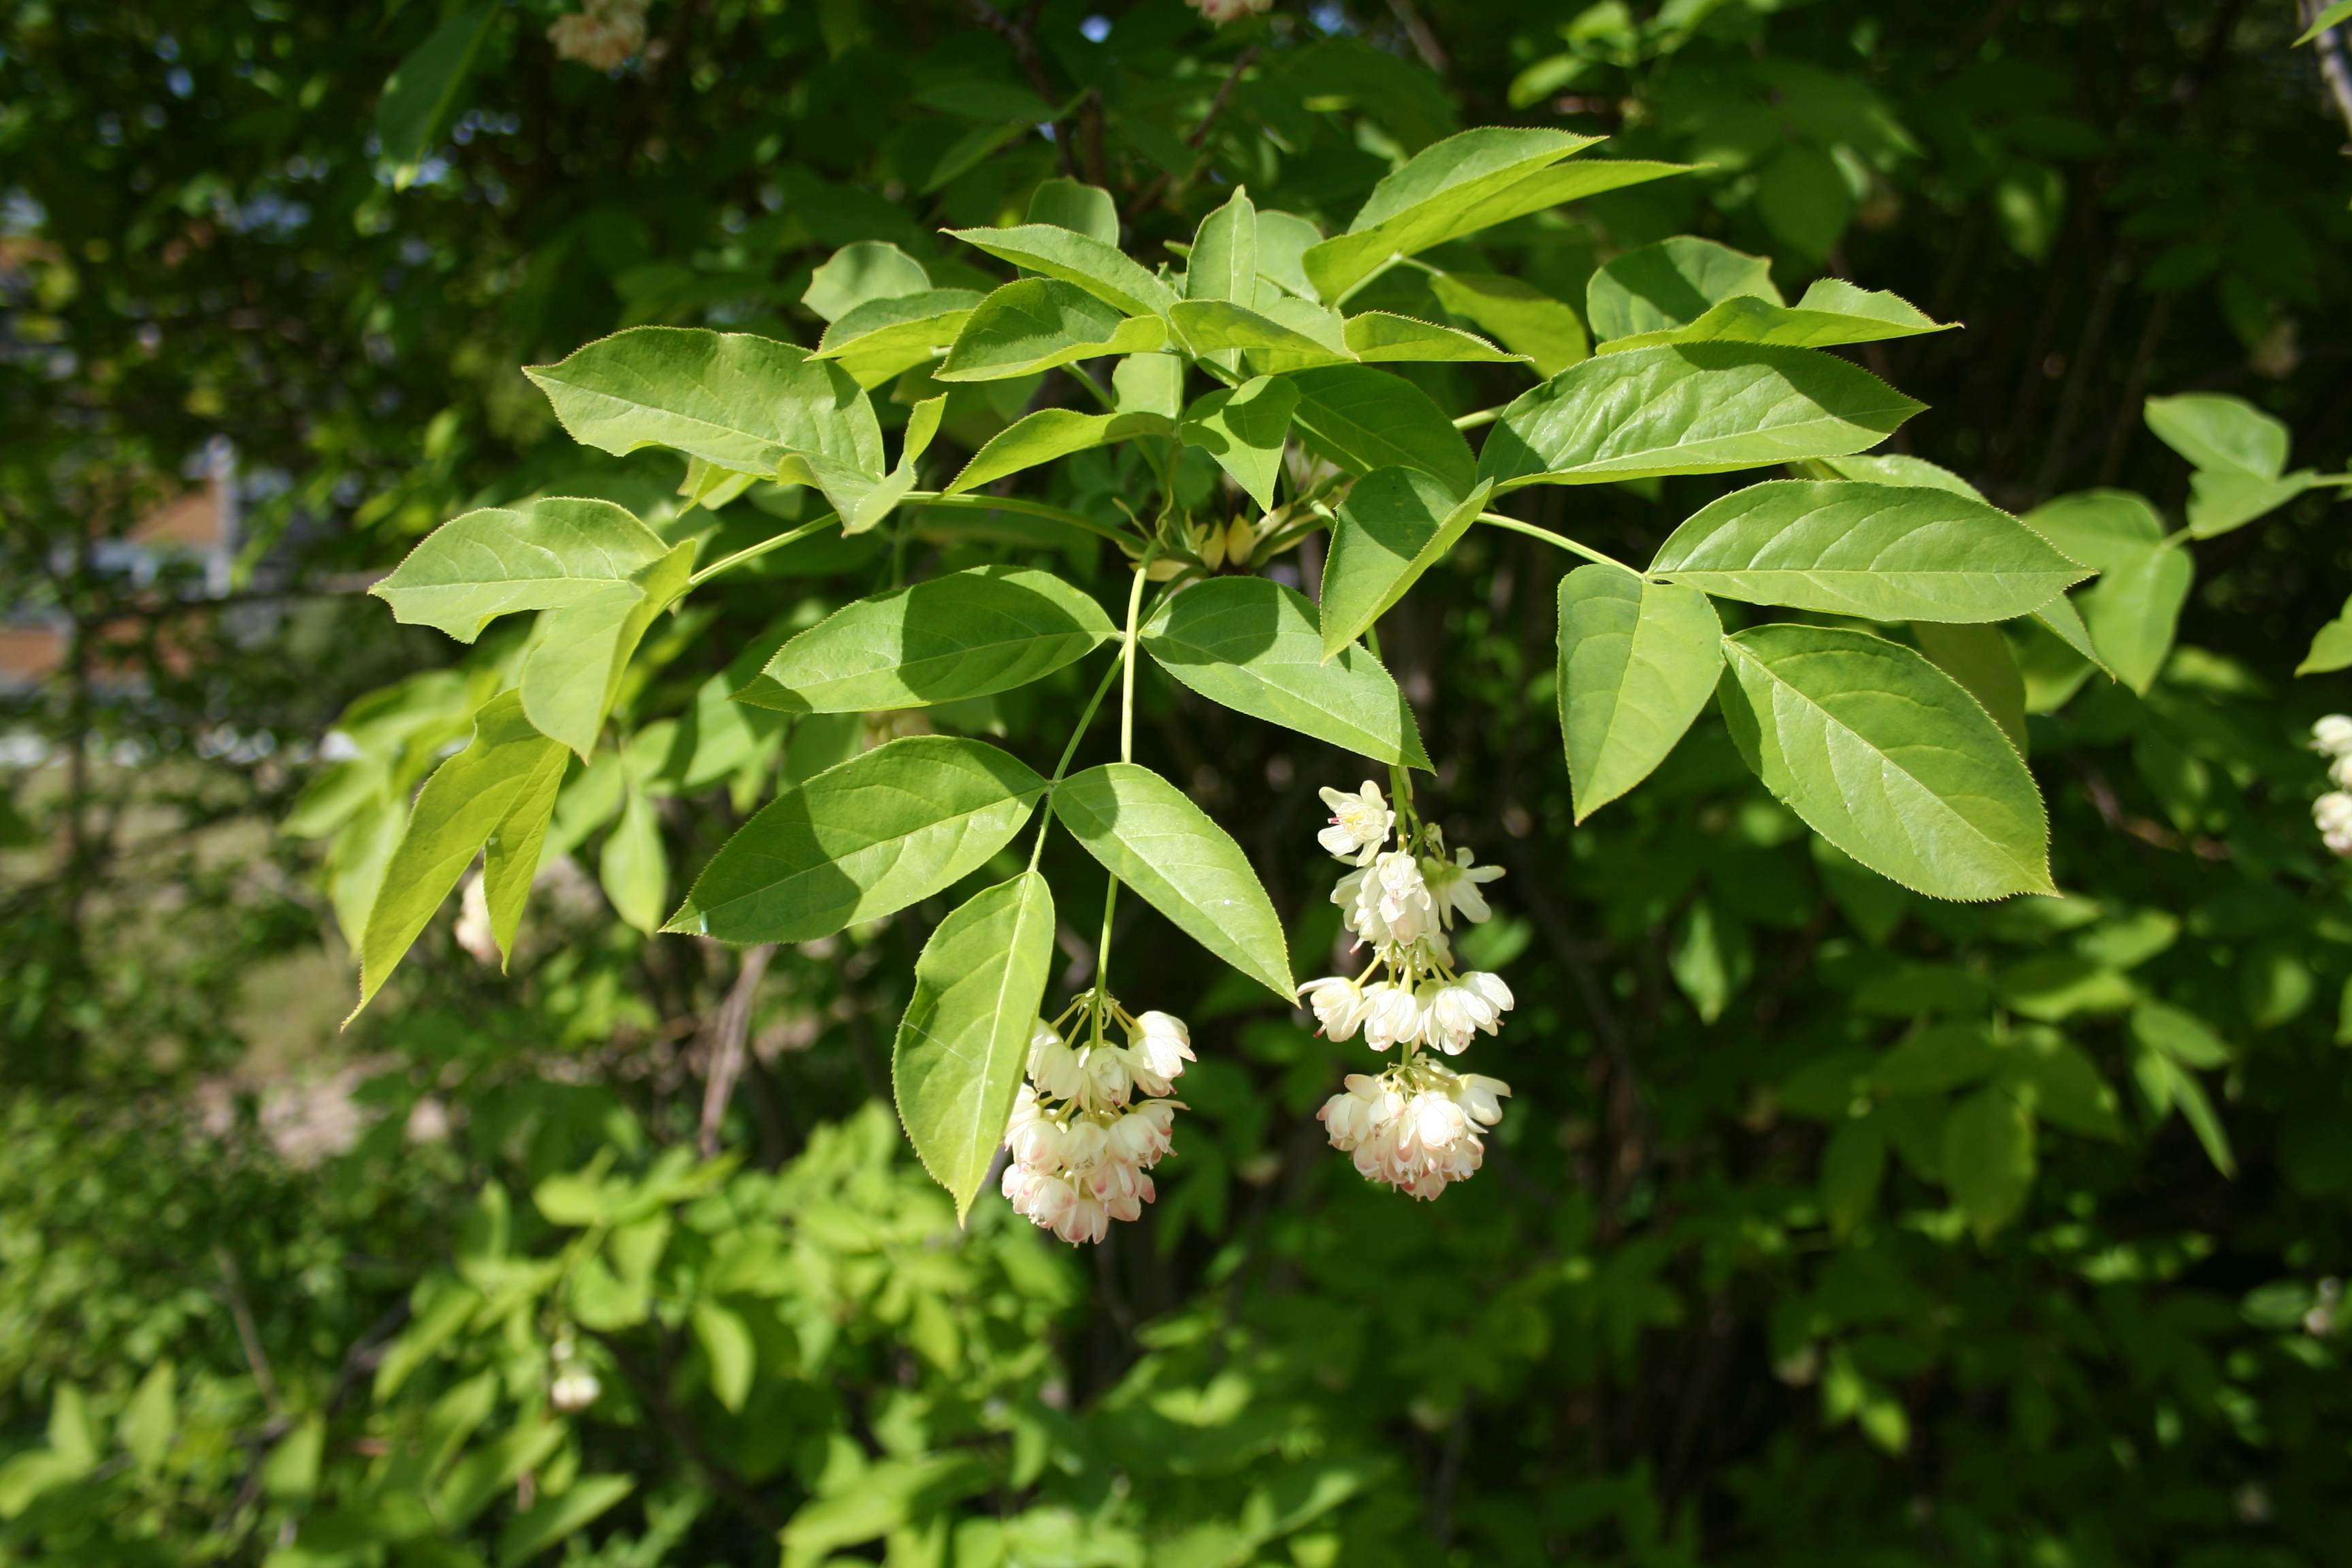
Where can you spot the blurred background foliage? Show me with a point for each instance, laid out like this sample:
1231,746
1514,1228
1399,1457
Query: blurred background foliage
458,1286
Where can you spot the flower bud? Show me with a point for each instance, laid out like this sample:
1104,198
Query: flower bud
2333,735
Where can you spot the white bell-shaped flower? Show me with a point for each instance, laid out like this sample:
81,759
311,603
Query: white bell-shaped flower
2333,735
1454,886
1338,1004
1360,823
1161,1047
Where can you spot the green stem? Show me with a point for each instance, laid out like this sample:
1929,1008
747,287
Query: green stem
1087,718
730,563
1366,281
1558,540
1009,503
1125,754
1400,779
1484,416
1091,385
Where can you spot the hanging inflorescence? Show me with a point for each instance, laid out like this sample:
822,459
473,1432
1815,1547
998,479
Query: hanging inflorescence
1081,1143
1414,1125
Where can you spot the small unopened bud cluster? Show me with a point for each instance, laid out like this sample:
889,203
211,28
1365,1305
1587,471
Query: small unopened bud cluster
2332,739
1415,1125
1081,1140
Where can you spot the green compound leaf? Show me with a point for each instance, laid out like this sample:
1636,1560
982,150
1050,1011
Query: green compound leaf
1049,434
498,793
1148,835
1256,646
861,273
1459,185
578,653
2331,647
1637,661
1377,335
1894,469
2240,455
1223,263
1282,239
540,555
632,869
967,634
737,401
1363,419
863,839
1284,334
1038,323
1067,204
1831,312
2133,610
1689,408
1078,259
1884,552
1244,429
1888,758
956,1067
422,94
1526,320
1395,524
880,338
1668,285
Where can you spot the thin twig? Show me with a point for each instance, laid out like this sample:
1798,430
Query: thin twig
248,1335
1150,192
728,1026
2332,69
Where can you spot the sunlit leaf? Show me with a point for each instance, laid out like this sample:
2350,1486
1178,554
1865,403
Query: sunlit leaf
1637,661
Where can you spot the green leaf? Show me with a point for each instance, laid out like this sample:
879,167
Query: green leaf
735,400
1038,323
2331,647
2061,1086
1526,320
1457,186
2180,1035
290,1473
1149,383
2213,430
1395,524
1710,959
1223,263
1363,419
633,869
1879,551
1085,209
1047,434
499,791
1943,1056
1244,429
2063,621
1894,469
861,273
422,94
727,1344
1989,1158
1286,334
881,338
1978,657
1832,313
2133,610
1282,239
1377,335
1081,259
475,1482
961,1046
2333,16
152,1419
1668,285
1148,835
541,555
2219,500
1256,646
966,633
572,665
1637,661
1689,408
1888,758
527,1536
1853,1164
862,840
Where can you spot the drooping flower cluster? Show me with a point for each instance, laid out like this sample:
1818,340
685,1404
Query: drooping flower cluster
1219,12
602,35
1414,1126
2332,738
1080,1139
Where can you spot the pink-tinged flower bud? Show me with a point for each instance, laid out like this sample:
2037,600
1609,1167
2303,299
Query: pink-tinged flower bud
1056,1070
1160,1051
1392,1016
1105,1076
1337,1004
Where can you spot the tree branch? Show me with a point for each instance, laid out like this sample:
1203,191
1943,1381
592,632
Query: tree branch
728,1026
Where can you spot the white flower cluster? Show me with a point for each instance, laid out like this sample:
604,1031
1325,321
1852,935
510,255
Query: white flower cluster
573,1388
602,35
1414,1126
1081,1141
2332,738
1219,12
